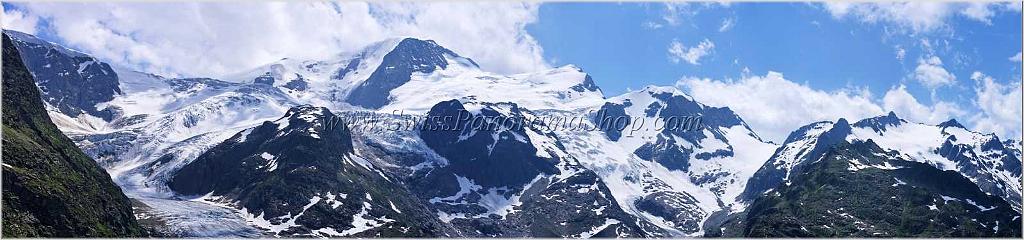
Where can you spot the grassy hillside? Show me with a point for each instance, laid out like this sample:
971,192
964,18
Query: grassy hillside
51,188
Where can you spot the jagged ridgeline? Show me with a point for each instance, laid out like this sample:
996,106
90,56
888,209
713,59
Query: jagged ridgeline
299,176
51,188
859,190
263,153
841,180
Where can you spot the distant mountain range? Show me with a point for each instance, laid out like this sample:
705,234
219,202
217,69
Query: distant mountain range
283,148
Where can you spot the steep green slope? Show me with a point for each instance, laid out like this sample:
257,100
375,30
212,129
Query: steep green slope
859,190
51,188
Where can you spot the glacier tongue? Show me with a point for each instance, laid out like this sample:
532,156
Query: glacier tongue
194,219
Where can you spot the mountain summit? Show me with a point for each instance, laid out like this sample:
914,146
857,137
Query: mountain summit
406,138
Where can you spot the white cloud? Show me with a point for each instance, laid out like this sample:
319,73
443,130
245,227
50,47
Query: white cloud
931,74
215,38
978,11
1016,58
493,34
675,13
678,52
917,16
13,19
774,106
1017,6
1000,106
907,107
727,24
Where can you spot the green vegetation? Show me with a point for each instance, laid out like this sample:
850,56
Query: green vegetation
51,188
858,190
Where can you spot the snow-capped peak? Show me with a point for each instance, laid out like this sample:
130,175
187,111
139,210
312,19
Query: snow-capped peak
654,89
984,159
29,38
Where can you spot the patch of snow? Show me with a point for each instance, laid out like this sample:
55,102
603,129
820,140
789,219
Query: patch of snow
898,182
982,208
855,165
393,207
596,229
466,186
261,222
271,161
362,221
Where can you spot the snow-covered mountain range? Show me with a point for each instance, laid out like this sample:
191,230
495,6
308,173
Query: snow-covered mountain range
249,143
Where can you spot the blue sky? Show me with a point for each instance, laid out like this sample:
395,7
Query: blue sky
778,65
928,62
613,43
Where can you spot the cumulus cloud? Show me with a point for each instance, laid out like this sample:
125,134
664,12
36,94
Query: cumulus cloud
13,19
907,107
1016,58
774,106
931,74
1000,106
678,52
978,11
214,39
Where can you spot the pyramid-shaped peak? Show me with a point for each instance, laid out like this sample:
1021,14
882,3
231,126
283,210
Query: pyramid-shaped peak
951,123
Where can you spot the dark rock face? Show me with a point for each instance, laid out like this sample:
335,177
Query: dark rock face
612,119
409,56
265,79
859,190
542,192
667,205
302,168
951,123
880,124
680,117
70,81
966,159
297,84
667,152
587,85
51,188
460,136
772,173
563,209
351,66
